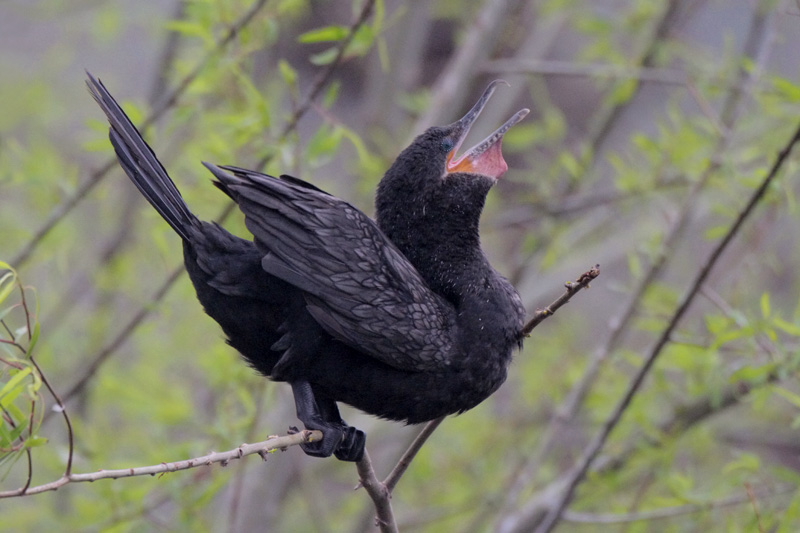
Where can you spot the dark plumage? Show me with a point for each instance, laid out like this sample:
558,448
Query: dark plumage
404,319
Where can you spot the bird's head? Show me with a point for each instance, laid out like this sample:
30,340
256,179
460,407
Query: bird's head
430,199
485,158
433,156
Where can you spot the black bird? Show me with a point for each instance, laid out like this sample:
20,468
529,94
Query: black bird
404,319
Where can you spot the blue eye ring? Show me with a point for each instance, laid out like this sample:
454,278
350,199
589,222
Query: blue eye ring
447,145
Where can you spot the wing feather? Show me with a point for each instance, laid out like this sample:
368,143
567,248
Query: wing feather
359,287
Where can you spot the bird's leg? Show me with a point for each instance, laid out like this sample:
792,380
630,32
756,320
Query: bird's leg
308,412
352,446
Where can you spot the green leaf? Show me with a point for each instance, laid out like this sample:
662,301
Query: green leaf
323,35
752,374
793,398
716,232
13,387
34,338
747,462
570,164
6,285
331,94
288,73
787,327
765,305
324,58
788,89
33,442
680,484
190,28
323,145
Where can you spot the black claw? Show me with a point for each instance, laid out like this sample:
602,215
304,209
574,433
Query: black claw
352,446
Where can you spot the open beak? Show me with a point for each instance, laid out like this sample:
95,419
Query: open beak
484,158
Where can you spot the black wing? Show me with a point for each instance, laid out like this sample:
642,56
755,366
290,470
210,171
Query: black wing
358,285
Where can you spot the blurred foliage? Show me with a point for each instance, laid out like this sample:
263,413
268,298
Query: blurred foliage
671,111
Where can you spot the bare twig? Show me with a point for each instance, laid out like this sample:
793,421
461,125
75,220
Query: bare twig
402,465
380,494
686,416
752,497
597,443
260,448
572,288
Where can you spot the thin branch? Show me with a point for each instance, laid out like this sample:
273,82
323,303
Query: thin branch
63,409
597,443
572,288
686,416
379,493
109,349
592,70
260,448
324,77
671,512
752,497
402,465
605,119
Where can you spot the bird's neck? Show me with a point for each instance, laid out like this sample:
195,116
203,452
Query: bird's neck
437,230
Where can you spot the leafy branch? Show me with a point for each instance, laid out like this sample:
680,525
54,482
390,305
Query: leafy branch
97,177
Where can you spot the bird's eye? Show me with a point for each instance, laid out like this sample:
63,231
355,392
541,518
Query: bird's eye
447,145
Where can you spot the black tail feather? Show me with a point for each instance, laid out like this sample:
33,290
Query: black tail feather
141,164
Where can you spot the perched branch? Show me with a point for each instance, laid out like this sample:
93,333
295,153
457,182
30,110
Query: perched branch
260,448
572,288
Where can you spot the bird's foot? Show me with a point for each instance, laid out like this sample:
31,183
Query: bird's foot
346,443
352,446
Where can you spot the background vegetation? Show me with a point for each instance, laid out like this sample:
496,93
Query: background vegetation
653,123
